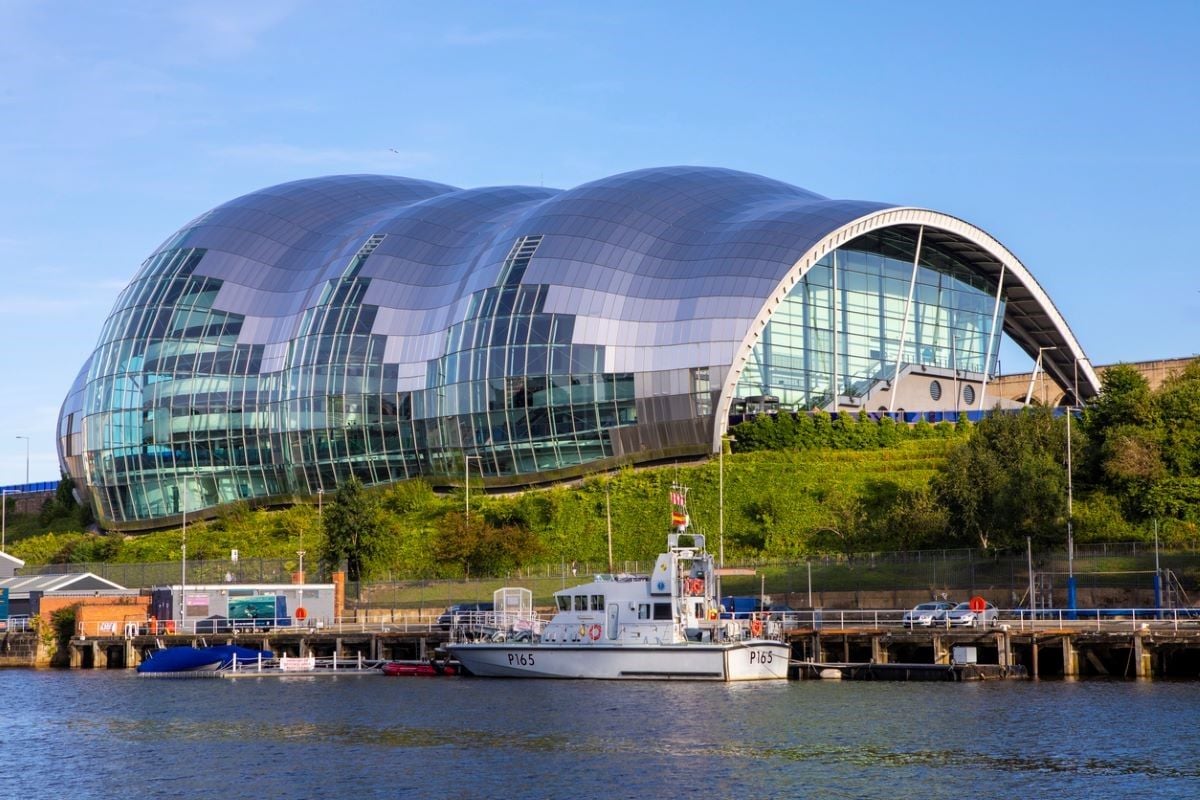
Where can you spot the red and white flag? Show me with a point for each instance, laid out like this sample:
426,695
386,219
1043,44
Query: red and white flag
677,498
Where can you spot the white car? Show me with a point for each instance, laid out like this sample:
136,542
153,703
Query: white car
962,616
925,614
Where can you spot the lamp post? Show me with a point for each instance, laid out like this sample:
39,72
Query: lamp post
26,438
300,537
1070,524
183,559
3,519
467,479
721,499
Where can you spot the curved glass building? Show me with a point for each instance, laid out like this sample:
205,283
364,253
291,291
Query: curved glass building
390,328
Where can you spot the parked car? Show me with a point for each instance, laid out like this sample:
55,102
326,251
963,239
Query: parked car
962,616
464,611
925,614
215,624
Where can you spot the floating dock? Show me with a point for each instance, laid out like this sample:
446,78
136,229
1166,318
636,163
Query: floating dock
866,671
285,667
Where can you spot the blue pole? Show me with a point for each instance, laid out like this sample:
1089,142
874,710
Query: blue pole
1158,593
1071,597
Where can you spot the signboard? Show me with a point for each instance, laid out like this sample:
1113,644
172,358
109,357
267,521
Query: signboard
197,605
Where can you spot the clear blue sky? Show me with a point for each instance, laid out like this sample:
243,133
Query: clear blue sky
1069,131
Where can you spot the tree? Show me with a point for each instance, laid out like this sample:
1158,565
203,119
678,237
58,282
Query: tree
1178,405
1007,481
847,516
479,546
1125,399
355,532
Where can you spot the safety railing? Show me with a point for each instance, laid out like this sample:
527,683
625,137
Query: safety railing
473,625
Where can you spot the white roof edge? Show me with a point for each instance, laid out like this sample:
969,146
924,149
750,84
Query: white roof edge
886,218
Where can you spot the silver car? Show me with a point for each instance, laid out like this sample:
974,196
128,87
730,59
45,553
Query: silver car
925,614
962,616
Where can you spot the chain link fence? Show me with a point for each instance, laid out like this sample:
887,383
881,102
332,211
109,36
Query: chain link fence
863,579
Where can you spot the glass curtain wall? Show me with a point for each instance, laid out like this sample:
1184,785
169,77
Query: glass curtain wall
949,322
170,404
513,391
179,416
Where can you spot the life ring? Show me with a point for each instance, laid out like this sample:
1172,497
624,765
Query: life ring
594,632
712,613
301,613
695,586
756,627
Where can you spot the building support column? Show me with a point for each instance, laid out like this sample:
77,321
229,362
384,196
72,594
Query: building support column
987,363
912,288
837,390
1033,654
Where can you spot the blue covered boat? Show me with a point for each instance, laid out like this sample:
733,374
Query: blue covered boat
194,659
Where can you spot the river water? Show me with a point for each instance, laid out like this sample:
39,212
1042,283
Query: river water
110,734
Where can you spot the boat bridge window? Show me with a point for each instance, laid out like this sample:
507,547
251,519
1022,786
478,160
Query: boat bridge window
581,602
597,602
662,611
564,602
643,611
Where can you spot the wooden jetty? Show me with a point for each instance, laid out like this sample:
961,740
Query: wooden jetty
1047,649
1064,650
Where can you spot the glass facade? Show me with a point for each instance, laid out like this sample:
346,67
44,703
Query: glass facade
514,391
389,328
859,333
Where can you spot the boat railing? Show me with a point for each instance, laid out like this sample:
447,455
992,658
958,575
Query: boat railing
619,577
478,624
496,625
737,627
285,663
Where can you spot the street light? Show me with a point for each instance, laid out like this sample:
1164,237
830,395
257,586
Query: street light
26,438
1070,522
467,479
721,498
300,551
3,519
183,559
